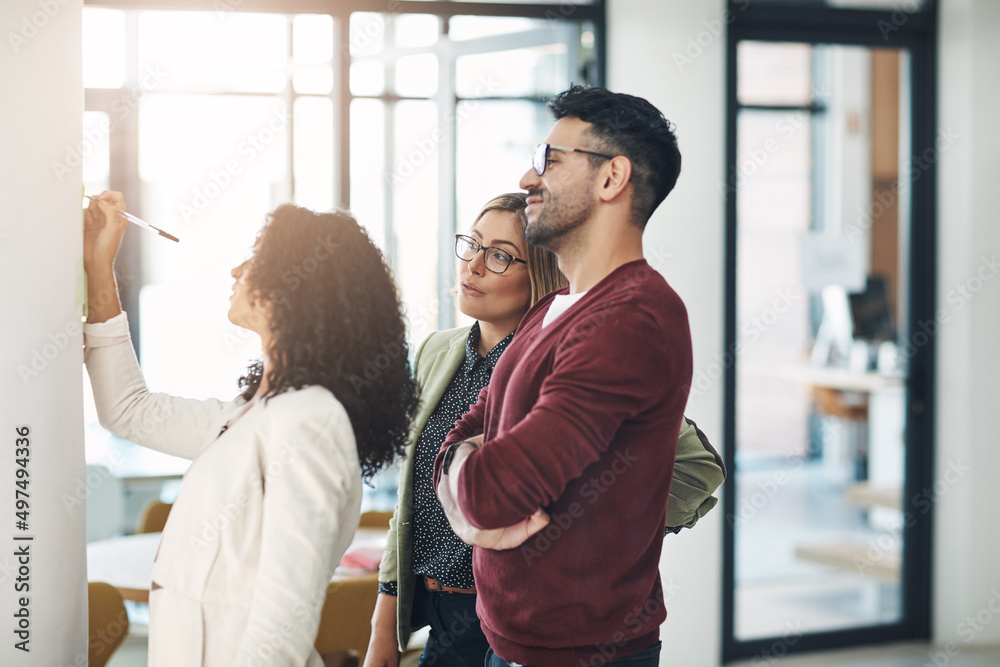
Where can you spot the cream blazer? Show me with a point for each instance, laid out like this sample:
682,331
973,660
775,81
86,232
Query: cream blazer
265,512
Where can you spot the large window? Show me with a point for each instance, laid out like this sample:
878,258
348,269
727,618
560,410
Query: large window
443,112
411,114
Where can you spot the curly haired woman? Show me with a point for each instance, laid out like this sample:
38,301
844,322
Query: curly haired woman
272,497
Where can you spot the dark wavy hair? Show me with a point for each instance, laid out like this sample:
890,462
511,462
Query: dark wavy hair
630,126
337,323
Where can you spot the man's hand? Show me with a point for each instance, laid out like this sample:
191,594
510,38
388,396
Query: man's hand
498,539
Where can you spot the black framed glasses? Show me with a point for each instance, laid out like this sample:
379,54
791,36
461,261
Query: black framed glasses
540,158
496,260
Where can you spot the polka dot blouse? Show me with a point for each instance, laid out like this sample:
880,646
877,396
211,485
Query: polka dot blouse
437,551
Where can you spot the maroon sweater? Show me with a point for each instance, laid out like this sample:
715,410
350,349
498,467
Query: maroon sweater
581,419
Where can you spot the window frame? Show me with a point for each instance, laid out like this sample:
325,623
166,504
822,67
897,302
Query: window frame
124,136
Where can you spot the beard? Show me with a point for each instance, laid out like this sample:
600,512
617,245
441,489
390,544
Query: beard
558,219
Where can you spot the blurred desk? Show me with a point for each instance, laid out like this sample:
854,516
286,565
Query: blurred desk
822,376
128,461
127,562
138,475
874,403
124,562
883,398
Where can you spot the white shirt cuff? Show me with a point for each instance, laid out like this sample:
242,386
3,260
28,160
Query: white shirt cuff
109,332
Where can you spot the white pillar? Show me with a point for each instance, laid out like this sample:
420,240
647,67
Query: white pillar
41,378
967,541
673,54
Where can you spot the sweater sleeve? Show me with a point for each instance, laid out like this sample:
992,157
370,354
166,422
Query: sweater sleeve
170,424
613,365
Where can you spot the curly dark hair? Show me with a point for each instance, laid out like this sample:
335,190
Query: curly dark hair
630,126
337,323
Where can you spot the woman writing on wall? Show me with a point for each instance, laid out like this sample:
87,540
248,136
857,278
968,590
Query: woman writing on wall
272,497
426,571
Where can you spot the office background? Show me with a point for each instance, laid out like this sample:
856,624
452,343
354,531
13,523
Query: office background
675,54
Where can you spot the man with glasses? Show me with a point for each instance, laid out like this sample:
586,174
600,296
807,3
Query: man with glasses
561,470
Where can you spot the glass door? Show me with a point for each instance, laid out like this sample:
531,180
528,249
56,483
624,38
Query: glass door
823,345
820,377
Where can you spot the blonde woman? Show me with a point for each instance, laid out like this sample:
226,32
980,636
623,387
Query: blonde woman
426,571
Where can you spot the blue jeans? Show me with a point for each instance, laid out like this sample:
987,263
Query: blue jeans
647,657
456,639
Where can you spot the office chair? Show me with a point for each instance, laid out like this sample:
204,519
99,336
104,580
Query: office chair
108,622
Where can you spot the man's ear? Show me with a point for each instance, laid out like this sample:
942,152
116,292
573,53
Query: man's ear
617,174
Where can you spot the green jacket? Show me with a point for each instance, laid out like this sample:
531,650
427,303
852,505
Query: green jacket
698,471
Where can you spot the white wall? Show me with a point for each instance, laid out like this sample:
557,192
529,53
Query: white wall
41,377
673,54
967,540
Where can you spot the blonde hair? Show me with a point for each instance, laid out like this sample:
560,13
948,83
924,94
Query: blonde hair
543,267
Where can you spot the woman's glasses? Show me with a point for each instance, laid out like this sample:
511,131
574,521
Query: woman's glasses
496,260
